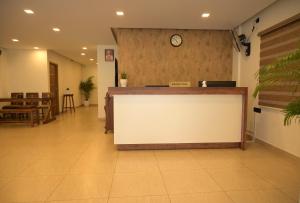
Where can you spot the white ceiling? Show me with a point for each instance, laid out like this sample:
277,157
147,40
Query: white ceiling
89,22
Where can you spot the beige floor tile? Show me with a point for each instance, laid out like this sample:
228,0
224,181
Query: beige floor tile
48,167
187,182
101,200
90,167
13,165
146,199
135,161
83,187
293,193
29,189
278,171
218,158
176,160
238,179
4,181
23,150
259,196
61,154
137,184
214,197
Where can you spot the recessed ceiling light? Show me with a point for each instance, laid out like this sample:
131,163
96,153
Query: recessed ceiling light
35,47
56,29
205,15
119,13
28,11
85,48
91,59
14,40
82,54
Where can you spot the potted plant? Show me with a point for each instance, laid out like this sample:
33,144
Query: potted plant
123,80
285,70
86,87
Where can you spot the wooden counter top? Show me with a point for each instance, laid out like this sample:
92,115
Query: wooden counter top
176,90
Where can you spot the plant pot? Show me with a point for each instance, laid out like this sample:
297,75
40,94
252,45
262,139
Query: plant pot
123,82
86,102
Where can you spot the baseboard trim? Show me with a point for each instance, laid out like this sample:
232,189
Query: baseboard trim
81,105
277,149
179,146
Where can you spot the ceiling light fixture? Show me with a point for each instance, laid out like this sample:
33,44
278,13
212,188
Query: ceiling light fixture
28,11
91,59
14,40
82,54
119,13
84,48
36,48
205,15
56,29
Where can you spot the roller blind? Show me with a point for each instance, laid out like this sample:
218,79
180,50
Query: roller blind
276,42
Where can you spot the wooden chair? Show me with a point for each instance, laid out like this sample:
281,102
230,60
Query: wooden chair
14,105
17,95
32,95
45,103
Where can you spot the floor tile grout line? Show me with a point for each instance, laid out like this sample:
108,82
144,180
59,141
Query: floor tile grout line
113,174
259,176
61,200
285,194
64,177
161,175
207,172
229,197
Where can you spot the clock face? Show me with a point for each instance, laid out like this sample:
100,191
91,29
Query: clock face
176,40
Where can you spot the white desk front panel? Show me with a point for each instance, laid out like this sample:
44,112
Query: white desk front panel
154,119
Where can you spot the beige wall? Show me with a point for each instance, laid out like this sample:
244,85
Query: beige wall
88,71
149,59
106,76
3,77
269,129
69,76
24,71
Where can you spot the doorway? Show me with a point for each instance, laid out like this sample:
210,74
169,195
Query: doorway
116,73
53,74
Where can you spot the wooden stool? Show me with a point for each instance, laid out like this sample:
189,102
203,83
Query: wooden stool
65,106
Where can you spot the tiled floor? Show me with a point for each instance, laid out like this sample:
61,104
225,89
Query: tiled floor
71,160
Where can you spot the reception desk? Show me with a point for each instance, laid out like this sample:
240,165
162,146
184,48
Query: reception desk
172,118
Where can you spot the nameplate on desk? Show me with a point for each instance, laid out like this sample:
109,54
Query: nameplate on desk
180,84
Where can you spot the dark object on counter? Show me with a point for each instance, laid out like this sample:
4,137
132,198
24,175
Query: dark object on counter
218,83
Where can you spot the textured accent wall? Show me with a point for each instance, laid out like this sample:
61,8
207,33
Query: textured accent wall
148,58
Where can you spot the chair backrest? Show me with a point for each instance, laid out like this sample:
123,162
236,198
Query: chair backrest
32,95
17,95
45,95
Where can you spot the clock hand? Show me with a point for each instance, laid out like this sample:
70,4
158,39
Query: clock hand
176,42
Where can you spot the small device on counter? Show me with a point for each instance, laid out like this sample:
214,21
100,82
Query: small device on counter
217,83
179,84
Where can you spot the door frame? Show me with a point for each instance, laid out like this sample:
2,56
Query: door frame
57,99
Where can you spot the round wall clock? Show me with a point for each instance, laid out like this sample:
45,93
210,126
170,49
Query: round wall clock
176,40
